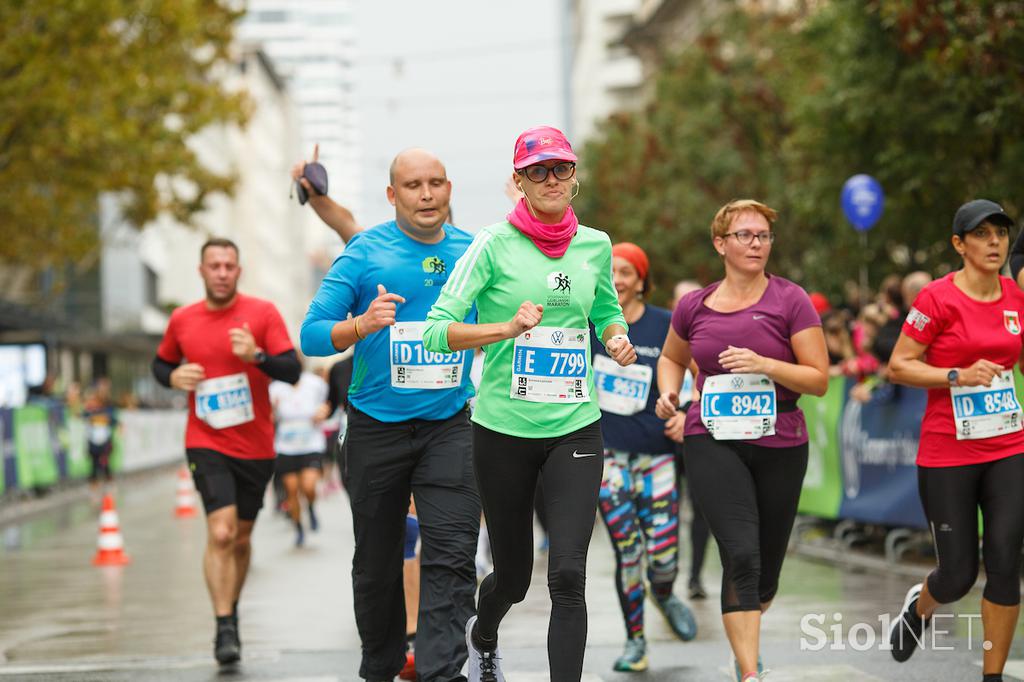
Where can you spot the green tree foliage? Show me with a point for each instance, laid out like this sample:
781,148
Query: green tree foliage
101,96
926,96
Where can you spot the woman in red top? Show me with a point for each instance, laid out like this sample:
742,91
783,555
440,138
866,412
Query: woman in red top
961,340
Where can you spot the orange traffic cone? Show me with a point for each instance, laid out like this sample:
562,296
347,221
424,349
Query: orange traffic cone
185,506
110,546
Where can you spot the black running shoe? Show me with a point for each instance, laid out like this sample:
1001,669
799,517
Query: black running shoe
907,631
227,648
697,590
314,523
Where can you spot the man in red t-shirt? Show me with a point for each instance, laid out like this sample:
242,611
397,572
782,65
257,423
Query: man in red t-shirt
225,350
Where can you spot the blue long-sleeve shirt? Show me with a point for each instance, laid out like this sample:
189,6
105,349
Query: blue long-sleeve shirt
393,357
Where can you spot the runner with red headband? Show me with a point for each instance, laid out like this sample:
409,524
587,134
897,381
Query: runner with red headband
961,341
639,499
538,279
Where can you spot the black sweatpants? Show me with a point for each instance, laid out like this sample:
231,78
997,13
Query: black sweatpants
383,462
507,468
951,497
749,496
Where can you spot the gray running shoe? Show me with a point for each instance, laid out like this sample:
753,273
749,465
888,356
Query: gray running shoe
481,666
633,658
679,616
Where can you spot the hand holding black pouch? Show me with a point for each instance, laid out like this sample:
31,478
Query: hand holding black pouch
316,176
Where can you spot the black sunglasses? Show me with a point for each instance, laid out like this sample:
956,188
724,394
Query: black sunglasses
539,173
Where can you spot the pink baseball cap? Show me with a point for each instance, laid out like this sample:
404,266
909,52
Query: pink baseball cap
541,143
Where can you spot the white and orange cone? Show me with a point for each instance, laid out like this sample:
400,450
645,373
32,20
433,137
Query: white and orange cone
110,546
185,505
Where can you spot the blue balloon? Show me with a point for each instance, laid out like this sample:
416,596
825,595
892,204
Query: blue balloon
863,201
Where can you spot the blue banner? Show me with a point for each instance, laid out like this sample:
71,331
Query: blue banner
878,447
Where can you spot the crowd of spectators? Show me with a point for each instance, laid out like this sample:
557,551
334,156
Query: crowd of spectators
861,331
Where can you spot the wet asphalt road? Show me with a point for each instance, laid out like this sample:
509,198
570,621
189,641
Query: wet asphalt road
63,619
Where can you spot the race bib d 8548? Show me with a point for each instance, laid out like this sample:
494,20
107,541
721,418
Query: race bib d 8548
549,365
738,406
986,411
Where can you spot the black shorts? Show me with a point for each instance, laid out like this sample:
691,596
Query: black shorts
223,481
99,456
293,464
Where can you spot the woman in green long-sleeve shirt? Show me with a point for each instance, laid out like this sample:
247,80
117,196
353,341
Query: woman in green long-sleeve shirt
537,280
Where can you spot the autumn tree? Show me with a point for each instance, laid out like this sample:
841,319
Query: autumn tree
101,96
926,96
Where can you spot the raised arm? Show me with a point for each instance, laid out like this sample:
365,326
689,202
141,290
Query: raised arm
334,215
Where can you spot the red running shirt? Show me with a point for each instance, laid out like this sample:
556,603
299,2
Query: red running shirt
959,331
197,334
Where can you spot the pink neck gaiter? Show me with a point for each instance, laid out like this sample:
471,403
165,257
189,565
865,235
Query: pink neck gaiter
552,240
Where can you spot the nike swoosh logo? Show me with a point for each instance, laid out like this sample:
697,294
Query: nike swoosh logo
578,455
758,317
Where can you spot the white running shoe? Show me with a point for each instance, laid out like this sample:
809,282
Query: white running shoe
481,666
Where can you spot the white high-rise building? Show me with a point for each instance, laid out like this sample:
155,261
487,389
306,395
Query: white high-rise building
606,76
312,44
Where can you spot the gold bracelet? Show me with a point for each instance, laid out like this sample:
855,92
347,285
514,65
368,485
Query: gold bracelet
358,335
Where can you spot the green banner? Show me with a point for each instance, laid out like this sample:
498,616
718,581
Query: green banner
823,486
36,463
117,453
74,437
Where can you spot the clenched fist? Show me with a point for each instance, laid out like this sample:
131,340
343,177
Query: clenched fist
526,318
381,312
185,377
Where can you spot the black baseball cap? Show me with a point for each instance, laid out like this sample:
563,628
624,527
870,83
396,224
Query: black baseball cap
974,213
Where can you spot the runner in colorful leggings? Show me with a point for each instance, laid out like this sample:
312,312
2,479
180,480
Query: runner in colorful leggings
639,498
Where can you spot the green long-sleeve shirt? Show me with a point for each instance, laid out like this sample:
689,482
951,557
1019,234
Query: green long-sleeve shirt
501,269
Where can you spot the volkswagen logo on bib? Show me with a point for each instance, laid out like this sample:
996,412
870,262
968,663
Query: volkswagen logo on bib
557,338
737,382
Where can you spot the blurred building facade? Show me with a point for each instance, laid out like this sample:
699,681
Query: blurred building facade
312,45
606,76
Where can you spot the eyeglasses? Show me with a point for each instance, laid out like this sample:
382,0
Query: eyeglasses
539,173
746,237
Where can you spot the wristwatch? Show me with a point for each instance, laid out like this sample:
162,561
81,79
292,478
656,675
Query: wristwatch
259,357
953,377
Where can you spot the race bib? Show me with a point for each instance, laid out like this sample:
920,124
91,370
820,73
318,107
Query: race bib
986,411
738,406
294,433
549,365
413,366
621,390
225,401
99,433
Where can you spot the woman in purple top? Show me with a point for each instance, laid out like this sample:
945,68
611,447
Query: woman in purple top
758,343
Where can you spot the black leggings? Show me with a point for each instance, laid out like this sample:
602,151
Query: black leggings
507,468
951,497
699,531
749,496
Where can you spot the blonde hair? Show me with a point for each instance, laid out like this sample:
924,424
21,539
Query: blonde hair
723,219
